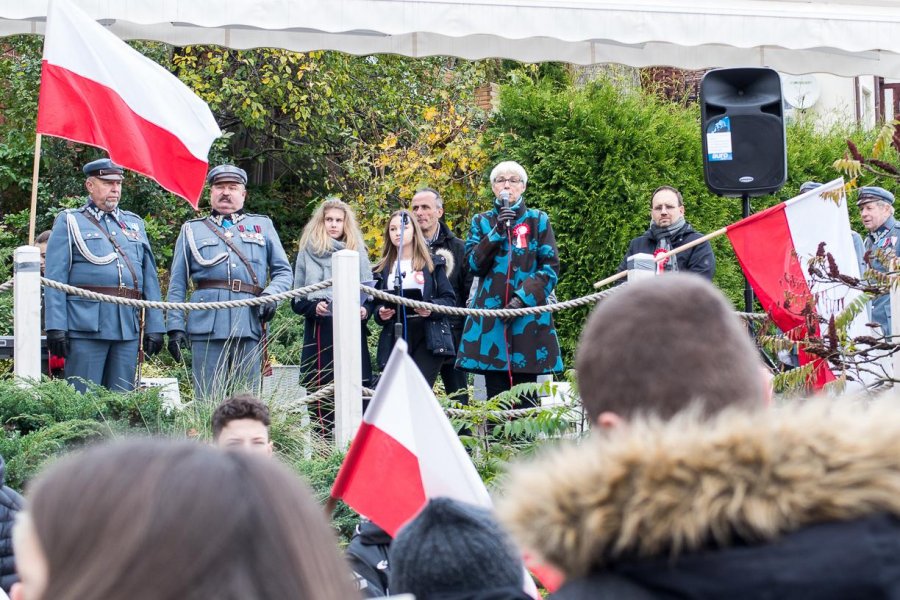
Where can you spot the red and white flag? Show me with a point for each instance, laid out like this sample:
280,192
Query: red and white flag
97,90
405,452
774,246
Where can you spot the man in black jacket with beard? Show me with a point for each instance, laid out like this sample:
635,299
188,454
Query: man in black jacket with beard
668,230
428,208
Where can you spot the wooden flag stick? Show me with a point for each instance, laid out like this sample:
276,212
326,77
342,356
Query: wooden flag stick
666,255
34,189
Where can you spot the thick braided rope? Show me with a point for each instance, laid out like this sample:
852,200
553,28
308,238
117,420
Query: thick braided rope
483,312
300,404
5,287
257,301
513,312
458,412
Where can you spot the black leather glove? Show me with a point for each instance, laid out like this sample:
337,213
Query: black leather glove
514,303
177,341
58,342
506,215
266,311
153,343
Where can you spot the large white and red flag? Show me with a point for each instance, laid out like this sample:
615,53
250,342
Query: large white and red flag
97,90
406,452
774,247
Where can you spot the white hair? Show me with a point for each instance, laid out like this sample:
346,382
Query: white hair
509,166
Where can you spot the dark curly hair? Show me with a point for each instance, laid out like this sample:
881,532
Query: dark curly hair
239,406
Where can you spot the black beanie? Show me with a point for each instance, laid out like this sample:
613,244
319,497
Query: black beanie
453,548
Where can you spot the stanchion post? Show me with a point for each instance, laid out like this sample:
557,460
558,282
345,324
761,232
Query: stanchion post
27,313
347,350
640,266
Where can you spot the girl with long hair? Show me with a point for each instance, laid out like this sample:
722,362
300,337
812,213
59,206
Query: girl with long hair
407,268
151,519
332,227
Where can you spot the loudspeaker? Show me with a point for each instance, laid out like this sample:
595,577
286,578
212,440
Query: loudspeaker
742,120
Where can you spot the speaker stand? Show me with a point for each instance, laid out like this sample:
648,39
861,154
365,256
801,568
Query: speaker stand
748,291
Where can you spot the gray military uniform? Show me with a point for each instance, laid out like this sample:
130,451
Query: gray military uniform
104,337
225,344
884,239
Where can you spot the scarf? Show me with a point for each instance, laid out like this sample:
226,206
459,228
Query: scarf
664,235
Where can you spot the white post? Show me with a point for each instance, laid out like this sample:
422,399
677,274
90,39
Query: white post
347,350
27,310
640,266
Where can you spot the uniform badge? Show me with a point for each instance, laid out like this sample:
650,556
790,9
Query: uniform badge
420,277
520,232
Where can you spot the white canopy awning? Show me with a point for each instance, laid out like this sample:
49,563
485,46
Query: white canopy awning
843,37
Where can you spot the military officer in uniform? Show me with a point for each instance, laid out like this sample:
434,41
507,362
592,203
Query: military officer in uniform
876,209
228,255
104,249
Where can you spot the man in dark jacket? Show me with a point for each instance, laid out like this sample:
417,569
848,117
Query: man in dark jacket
428,208
668,230
368,557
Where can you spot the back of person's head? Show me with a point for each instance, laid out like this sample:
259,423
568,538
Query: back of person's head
149,519
453,549
663,343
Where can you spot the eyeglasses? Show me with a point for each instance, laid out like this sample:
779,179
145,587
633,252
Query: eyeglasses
512,180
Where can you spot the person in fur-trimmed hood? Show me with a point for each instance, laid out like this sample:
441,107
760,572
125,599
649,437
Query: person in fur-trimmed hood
801,502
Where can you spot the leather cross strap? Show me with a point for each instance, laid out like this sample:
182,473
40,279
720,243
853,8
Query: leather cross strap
240,254
116,245
235,285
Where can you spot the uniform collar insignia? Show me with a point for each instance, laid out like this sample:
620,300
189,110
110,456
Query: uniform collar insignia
235,217
98,214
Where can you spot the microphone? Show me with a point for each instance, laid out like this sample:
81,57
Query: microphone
504,197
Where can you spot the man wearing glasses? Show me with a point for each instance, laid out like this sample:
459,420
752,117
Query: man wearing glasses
668,230
512,250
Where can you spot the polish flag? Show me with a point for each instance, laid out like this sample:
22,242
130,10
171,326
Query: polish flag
774,247
97,90
405,452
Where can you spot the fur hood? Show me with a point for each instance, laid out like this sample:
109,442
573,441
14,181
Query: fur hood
656,489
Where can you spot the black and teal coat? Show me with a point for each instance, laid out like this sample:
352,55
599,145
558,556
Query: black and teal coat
523,262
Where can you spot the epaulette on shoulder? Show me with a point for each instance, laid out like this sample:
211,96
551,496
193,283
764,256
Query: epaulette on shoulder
258,216
201,218
129,213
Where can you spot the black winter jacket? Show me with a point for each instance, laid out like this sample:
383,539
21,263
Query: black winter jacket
10,504
699,259
798,503
368,557
453,250
437,290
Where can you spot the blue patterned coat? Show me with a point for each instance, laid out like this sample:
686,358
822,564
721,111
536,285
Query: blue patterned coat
201,255
526,259
73,251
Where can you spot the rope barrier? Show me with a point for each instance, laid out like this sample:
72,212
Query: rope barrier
484,312
380,294
323,392
257,301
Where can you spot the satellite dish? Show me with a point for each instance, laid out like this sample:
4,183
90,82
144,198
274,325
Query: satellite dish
800,91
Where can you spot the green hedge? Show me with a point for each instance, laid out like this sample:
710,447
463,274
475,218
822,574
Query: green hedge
594,154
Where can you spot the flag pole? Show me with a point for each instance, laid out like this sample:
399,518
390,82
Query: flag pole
34,189
664,256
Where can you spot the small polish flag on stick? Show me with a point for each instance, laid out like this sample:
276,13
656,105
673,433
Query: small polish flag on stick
405,452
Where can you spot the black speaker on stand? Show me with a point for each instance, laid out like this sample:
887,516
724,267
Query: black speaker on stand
744,145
